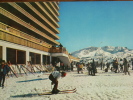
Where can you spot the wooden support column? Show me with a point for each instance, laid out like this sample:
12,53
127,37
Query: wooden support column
34,58
16,56
0,52
41,59
4,53
50,59
27,57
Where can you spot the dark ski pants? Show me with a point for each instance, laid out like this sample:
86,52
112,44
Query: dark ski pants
54,81
2,79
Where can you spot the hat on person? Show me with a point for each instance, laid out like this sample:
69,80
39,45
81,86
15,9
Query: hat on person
2,60
63,74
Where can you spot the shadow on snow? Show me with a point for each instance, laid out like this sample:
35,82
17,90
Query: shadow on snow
33,80
25,95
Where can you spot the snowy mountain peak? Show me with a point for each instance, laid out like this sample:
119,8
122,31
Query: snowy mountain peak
106,51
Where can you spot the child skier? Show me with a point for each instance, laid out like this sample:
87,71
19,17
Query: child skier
54,76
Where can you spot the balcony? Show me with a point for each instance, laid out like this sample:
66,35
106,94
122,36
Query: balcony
59,50
73,58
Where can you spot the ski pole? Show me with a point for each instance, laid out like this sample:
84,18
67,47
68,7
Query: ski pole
51,86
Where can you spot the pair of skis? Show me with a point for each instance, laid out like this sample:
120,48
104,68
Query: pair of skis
60,92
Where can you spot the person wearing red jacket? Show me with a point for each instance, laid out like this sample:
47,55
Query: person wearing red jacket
54,76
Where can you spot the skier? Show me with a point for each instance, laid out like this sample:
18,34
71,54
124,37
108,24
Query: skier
115,65
89,68
107,64
54,76
93,68
121,65
72,66
125,63
4,69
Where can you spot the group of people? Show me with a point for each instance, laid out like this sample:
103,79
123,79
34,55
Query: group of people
91,67
59,66
116,66
55,75
123,64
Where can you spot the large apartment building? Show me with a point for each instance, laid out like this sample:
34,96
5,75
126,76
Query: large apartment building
28,32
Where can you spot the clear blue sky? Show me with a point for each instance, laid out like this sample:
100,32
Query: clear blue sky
96,23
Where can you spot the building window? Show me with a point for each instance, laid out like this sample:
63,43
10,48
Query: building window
16,56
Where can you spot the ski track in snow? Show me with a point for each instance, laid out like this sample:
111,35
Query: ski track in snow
103,86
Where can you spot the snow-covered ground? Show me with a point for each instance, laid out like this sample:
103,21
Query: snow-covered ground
103,86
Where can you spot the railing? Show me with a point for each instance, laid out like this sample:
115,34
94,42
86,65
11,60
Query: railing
58,50
63,50
72,57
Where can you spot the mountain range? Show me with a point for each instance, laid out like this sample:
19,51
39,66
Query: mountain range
106,52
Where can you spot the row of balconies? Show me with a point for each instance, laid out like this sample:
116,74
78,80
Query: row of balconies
50,10
41,16
17,7
26,25
13,39
41,7
56,5
23,35
54,8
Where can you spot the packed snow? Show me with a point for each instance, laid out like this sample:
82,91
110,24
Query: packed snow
103,86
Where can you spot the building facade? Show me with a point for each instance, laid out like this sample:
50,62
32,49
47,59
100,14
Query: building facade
28,32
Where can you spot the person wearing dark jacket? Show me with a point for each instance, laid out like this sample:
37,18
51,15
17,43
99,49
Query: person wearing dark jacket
54,76
115,65
93,67
4,69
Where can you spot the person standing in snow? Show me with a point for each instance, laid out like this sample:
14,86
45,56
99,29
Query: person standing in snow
77,65
89,68
125,63
54,76
121,65
93,67
72,66
107,64
4,69
115,65
62,66
132,65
